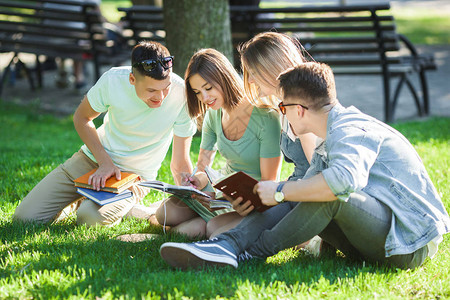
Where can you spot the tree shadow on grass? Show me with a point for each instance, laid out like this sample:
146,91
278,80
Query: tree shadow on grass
63,260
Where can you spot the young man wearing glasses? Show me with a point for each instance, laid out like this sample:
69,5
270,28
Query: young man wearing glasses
145,110
367,192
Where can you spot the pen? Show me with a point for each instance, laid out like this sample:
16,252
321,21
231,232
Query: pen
195,171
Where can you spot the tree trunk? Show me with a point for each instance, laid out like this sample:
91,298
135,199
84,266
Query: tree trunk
195,24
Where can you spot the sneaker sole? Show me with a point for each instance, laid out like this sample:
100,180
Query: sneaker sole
183,257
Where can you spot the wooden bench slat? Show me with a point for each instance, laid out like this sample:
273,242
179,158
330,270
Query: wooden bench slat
69,6
355,60
347,39
73,17
373,70
307,20
326,29
312,9
48,30
141,8
145,18
348,49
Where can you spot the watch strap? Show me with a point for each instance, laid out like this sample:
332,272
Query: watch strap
280,186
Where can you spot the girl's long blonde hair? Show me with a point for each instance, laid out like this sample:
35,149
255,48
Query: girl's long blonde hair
265,56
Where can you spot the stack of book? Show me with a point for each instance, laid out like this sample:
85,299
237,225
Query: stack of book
114,189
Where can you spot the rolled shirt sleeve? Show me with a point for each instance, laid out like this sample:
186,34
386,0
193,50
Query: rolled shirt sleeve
351,152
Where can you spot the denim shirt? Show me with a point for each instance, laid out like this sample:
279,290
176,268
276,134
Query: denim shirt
361,153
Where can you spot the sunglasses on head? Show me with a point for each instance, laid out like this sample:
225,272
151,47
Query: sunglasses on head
150,64
282,106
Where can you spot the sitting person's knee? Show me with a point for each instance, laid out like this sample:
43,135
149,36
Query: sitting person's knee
194,228
173,211
167,216
161,215
89,214
211,227
22,214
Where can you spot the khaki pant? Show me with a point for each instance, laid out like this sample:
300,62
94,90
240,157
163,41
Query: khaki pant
55,196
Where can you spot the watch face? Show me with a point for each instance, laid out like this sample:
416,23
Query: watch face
279,197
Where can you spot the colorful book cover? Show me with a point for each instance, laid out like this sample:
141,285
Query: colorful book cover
112,184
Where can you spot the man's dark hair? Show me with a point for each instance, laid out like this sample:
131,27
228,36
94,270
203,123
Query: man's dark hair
311,81
149,50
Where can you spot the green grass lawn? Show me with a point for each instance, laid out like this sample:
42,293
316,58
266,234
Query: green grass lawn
67,261
426,27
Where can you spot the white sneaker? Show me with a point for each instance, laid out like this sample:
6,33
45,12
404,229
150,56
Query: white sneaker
314,246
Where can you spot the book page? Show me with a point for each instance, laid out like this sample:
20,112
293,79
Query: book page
178,190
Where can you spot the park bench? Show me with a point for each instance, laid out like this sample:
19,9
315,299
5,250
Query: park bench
142,22
352,39
68,29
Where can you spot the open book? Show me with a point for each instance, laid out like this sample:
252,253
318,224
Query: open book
177,190
112,185
241,185
213,175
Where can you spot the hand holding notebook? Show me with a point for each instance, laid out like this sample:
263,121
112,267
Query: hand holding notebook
241,185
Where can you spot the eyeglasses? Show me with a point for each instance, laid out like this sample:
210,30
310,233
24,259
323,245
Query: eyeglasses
282,107
150,64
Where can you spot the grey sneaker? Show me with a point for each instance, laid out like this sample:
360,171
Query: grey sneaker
213,252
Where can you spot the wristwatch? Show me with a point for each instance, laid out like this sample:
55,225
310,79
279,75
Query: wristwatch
279,196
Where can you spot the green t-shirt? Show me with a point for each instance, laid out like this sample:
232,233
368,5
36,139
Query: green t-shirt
260,140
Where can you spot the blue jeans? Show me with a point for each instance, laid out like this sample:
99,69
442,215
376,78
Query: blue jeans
357,227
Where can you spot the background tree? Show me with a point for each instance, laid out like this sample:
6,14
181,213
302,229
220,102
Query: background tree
194,24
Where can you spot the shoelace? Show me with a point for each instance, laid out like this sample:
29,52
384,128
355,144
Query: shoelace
207,241
244,256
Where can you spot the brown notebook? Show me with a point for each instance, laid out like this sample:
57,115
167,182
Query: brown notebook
112,184
241,185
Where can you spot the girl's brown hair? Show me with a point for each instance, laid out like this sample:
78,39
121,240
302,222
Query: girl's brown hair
217,70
